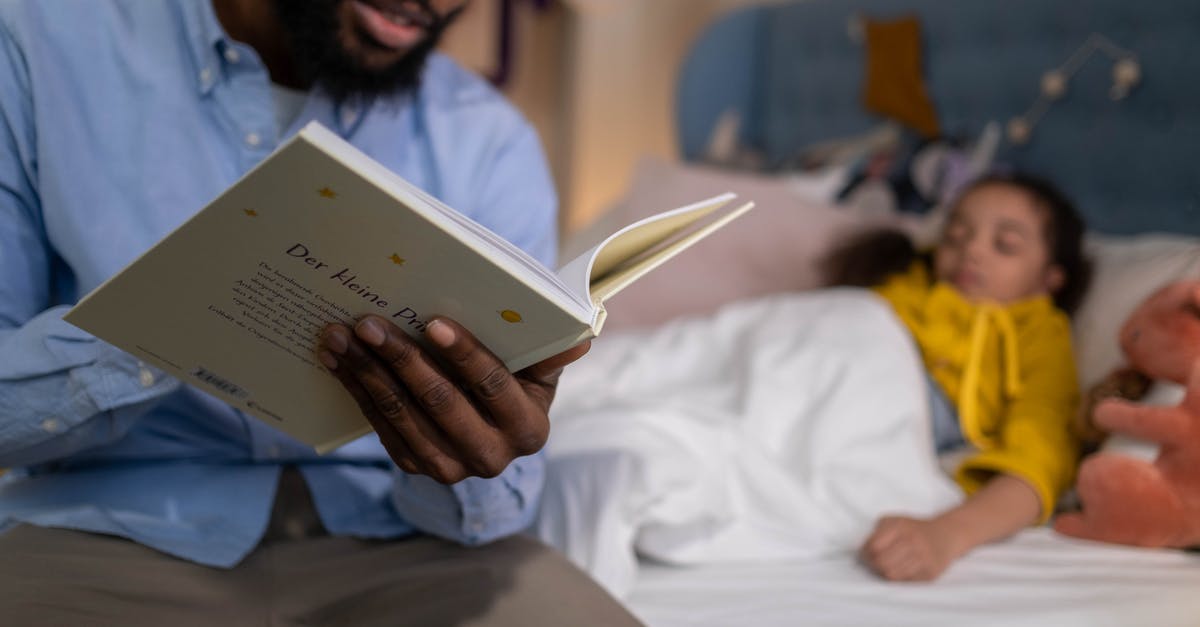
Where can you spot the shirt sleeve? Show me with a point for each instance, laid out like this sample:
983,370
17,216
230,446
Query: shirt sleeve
473,511
61,390
1036,441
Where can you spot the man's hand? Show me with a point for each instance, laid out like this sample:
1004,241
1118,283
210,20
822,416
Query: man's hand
466,416
908,549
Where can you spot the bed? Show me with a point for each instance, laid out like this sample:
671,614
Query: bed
792,74
1035,579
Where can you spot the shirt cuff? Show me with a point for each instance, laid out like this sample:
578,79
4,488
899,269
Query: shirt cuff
59,377
473,511
111,377
46,344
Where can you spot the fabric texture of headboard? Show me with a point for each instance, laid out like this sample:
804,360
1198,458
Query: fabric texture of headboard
1133,165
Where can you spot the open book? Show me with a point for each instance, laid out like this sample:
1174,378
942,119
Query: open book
233,300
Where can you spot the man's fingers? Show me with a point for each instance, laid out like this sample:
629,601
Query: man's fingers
479,446
397,449
395,409
462,415
434,452
541,379
431,388
391,440
524,425
551,367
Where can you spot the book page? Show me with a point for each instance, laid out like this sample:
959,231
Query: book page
632,241
625,274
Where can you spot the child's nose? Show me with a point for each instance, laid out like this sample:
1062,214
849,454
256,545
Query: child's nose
975,246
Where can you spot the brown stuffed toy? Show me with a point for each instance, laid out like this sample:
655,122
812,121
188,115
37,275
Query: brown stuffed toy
1127,500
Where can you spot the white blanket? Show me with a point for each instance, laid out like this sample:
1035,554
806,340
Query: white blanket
779,428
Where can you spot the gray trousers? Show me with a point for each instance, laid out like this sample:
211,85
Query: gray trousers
299,575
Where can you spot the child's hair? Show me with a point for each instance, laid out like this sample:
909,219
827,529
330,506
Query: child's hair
869,258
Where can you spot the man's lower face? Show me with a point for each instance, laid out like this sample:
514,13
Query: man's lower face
378,33
364,47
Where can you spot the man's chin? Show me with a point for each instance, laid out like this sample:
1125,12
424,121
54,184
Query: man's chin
335,51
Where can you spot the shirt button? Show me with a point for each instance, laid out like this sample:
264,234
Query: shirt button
477,527
145,377
253,140
232,56
273,451
206,76
52,425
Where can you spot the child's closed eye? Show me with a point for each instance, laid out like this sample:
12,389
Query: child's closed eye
1009,245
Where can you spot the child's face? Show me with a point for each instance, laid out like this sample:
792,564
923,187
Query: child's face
994,247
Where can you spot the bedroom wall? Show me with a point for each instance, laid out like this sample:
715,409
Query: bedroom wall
535,84
597,79
623,62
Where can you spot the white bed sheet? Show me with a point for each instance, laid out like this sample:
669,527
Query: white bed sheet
1036,578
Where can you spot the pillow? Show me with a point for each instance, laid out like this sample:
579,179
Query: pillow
775,247
1127,270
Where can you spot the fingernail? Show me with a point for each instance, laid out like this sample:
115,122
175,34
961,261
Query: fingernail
371,332
335,341
327,359
440,333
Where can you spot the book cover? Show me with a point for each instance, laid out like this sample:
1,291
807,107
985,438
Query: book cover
233,300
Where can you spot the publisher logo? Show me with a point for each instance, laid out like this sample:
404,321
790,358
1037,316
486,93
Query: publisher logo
218,382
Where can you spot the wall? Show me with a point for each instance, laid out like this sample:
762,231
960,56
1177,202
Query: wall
623,63
597,78
535,85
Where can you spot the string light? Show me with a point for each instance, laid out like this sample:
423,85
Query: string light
1126,73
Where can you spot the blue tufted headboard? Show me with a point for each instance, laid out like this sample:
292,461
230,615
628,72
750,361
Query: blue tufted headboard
1132,165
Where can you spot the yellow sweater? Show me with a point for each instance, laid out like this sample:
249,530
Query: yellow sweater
1010,372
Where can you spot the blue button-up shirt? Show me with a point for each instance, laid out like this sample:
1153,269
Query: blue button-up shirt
119,119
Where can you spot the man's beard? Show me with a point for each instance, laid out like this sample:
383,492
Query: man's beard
320,59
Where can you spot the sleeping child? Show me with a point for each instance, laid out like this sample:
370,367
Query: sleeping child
795,426
988,308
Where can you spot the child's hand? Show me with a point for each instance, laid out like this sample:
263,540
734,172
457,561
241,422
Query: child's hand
908,549
912,549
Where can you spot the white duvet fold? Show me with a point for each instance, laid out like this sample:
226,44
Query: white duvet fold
778,428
